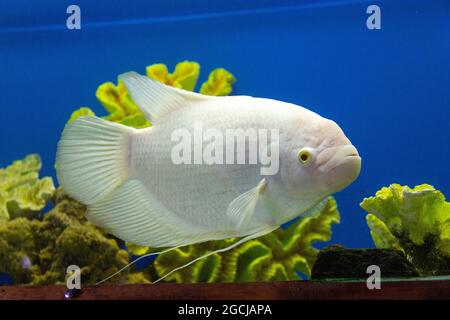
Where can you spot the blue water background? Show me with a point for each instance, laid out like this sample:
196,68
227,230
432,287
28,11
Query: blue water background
388,89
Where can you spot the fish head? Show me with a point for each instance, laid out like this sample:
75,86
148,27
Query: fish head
321,160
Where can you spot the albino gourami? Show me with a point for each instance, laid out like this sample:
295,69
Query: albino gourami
136,187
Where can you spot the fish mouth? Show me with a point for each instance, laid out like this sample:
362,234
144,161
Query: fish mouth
333,157
342,168
351,158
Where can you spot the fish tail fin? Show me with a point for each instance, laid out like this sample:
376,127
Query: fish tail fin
93,158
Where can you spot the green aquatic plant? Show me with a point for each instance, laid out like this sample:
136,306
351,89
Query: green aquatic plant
415,221
122,109
22,192
280,255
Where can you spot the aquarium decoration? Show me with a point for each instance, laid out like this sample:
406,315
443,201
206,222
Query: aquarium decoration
184,76
83,111
22,192
37,249
336,262
415,221
116,100
285,254
219,83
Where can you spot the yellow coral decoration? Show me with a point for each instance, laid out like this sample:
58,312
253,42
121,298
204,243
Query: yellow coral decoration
83,111
21,191
184,76
118,103
137,250
220,83
415,221
381,235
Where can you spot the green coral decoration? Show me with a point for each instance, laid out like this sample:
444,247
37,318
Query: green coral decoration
280,255
122,109
22,192
415,221
37,249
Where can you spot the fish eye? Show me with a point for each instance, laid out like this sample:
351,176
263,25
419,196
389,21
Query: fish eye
304,156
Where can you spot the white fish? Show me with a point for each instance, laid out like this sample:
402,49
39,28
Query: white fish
132,188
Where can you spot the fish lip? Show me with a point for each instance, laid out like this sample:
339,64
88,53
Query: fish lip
340,165
345,159
350,175
341,154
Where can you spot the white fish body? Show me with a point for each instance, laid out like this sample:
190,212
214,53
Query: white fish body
133,188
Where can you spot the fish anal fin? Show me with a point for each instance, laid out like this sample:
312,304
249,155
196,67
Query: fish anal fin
133,214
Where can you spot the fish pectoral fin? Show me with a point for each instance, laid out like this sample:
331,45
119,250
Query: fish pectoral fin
241,209
315,210
156,99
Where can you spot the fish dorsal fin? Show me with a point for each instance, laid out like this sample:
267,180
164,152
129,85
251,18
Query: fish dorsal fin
156,99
